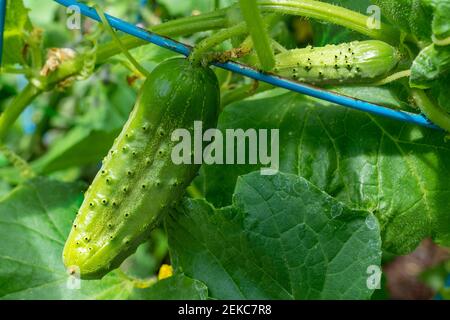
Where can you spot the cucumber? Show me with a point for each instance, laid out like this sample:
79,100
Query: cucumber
138,182
353,62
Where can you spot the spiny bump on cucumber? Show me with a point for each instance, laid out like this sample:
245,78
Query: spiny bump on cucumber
138,182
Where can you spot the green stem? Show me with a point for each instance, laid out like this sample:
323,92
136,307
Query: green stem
333,14
20,164
25,70
18,104
179,27
258,31
194,192
215,39
393,77
119,43
433,112
243,92
441,42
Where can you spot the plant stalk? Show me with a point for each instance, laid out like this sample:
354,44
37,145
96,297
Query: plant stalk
331,13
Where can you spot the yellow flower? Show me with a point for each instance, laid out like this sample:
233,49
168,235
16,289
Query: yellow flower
165,271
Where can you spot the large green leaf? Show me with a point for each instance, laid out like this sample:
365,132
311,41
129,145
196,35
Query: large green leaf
412,16
395,170
282,238
35,219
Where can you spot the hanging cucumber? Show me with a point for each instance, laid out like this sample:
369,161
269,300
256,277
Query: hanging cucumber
354,62
138,182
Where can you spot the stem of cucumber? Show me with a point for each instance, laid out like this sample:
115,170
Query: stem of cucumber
119,43
258,31
432,111
17,105
217,38
331,13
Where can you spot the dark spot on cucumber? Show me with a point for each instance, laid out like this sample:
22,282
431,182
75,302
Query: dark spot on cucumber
104,201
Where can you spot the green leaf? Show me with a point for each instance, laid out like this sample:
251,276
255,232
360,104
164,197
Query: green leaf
35,219
282,238
432,63
106,111
395,170
17,26
412,16
148,257
384,95
177,287
80,146
441,21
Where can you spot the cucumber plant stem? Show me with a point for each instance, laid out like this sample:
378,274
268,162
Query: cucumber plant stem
432,111
258,31
15,108
119,43
215,39
331,13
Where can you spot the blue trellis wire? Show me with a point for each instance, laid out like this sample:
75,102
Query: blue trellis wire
2,26
255,74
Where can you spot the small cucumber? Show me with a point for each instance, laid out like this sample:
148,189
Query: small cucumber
138,182
352,62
